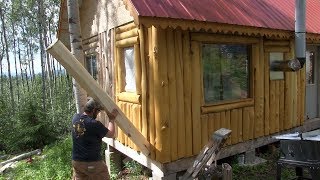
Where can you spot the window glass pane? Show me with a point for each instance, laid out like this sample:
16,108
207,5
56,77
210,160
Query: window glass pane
130,70
225,72
276,56
91,65
310,67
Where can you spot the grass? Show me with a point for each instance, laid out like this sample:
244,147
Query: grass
54,164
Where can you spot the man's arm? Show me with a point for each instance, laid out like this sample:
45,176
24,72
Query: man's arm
111,129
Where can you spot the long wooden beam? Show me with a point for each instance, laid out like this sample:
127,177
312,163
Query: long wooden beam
86,81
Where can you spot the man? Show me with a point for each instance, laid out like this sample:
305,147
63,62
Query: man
87,134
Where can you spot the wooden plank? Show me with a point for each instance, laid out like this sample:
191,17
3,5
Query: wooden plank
246,123
258,89
228,106
120,71
288,91
196,97
172,94
277,105
161,96
211,121
240,125
187,83
179,93
137,64
228,125
204,131
81,75
266,95
252,122
165,127
144,83
281,104
217,121
152,130
272,107
234,126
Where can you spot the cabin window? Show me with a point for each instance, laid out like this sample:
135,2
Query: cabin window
276,56
91,65
310,67
225,72
130,81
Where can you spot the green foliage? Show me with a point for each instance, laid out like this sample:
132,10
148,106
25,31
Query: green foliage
55,163
134,168
30,126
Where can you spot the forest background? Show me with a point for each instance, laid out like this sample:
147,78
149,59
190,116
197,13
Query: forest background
36,100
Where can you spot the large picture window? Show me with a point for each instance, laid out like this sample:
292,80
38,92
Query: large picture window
225,72
91,65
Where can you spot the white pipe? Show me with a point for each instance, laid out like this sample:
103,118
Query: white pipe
300,42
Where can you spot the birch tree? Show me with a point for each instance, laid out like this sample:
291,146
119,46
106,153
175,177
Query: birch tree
76,49
7,56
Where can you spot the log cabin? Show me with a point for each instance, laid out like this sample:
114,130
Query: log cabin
181,69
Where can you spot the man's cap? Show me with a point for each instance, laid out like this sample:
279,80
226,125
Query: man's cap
91,105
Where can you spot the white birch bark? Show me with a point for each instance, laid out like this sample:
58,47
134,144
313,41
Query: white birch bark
76,50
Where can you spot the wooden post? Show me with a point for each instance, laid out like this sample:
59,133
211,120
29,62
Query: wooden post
72,65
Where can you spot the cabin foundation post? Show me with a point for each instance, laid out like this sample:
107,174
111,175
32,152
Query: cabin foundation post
250,156
112,157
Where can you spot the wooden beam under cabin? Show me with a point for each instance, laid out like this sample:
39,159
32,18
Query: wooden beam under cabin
81,75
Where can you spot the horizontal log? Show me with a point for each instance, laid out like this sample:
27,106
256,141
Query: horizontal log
127,42
125,28
86,81
227,106
127,34
223,38
129,97
276,43
277,49
21,157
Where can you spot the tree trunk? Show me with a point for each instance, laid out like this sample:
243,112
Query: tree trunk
76,49
8,60
40,31
15,61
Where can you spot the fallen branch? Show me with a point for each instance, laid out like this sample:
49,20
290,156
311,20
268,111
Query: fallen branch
21,157
7,166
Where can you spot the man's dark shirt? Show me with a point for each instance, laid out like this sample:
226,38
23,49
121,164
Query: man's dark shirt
87,134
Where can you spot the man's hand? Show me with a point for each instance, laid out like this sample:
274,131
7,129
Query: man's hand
112,116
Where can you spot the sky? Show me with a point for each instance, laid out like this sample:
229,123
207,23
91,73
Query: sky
37,64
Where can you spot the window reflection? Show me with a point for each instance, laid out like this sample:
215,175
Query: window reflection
225,72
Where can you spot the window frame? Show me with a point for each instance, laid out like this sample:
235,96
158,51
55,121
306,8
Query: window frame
90,55
121,93
205,38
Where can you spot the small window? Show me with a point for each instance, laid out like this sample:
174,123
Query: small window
130,85
310,67
91,65
225,72
276,56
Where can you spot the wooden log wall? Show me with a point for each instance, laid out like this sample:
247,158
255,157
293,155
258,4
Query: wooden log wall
129,102
100,47
168,106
